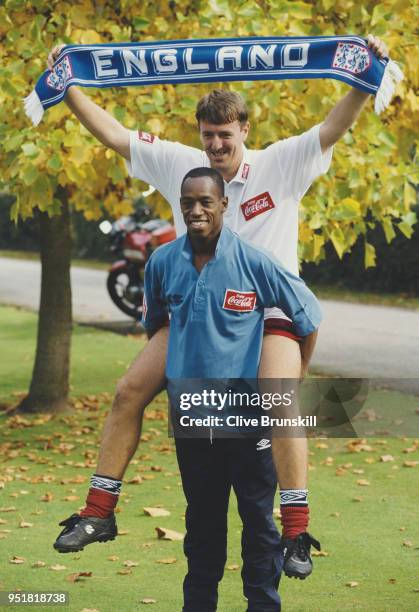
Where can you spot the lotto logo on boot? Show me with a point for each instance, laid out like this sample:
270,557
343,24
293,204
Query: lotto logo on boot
243,301
257,205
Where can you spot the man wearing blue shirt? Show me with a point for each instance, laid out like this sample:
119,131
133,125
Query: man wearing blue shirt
214,287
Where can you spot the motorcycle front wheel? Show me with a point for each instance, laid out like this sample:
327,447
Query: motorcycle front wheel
126,289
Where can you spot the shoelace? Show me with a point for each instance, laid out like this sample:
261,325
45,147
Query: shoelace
302,546
312,541
302,549
70,522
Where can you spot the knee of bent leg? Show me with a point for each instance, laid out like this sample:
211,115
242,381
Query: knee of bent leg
128,397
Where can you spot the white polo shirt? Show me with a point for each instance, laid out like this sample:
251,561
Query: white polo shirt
263,197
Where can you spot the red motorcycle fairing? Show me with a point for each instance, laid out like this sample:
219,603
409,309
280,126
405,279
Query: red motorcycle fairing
118,265
164,234
136,240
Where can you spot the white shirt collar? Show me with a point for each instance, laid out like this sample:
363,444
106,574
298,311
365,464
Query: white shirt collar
244,168
243,171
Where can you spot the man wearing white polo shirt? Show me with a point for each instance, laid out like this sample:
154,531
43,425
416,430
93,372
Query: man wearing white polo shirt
264,189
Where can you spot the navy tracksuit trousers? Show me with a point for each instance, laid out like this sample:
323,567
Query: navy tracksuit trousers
209,471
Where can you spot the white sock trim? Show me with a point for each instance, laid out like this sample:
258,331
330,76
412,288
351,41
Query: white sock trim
293,497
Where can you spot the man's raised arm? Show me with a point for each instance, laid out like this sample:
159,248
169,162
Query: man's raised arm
99,122
343,115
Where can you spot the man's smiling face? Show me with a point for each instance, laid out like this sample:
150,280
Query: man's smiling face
202,207
223,145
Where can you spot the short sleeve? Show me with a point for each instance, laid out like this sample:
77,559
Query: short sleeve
301,160
151,160
281,288
155,310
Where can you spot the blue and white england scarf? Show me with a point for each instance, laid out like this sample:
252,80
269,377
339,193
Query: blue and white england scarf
345,58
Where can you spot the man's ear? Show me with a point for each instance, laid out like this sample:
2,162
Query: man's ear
225,203
245,130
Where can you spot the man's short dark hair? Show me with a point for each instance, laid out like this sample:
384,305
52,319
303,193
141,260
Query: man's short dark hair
222,106
211,173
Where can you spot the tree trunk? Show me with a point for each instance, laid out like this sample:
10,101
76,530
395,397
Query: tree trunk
48,391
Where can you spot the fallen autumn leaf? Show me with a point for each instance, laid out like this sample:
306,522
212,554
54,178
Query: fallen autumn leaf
386,458
78,576
17,560
47,497
156,512
136,480
168,534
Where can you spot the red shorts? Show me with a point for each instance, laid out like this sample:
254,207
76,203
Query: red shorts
281,327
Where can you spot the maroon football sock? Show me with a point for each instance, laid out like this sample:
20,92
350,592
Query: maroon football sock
294,520
99,503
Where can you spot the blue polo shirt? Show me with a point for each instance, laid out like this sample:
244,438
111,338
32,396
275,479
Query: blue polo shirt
216,316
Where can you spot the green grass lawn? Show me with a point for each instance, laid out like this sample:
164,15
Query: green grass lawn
369,532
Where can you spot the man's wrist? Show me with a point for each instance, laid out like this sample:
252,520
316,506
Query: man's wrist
362,96
70,93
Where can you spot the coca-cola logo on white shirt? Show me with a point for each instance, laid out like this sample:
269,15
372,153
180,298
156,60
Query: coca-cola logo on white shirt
257,205
146,137
243,301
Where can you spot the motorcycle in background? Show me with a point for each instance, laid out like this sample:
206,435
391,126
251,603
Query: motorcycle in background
133,238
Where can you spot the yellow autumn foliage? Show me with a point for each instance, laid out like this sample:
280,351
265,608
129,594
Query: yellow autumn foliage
372,180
